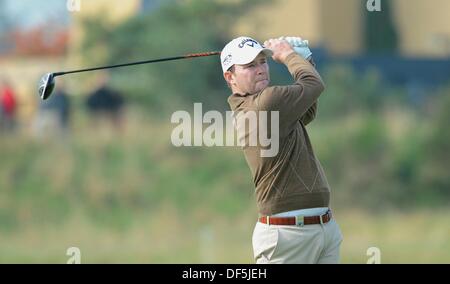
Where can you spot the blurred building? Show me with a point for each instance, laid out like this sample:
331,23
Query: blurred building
423,27
407,42
34,39
41,37
338,26
111,11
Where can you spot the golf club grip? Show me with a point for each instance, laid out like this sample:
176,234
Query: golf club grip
202,54
192,55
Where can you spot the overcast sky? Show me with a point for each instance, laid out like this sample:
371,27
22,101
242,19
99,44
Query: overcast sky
29,13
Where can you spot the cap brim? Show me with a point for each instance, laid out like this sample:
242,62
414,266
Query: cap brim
267,52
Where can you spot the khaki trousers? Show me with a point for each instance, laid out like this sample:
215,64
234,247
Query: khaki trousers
295,244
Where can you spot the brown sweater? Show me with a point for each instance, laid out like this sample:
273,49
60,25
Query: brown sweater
292,179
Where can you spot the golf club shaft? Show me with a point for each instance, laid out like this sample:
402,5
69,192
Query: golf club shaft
140,62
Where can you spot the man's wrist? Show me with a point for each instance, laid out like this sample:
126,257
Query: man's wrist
291,56
311,60
286,58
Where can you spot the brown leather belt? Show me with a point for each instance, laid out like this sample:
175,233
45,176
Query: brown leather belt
297,220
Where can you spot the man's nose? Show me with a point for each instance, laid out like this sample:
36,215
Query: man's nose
260,69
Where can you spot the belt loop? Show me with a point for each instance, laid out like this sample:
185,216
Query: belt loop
268,220
300,220
321,220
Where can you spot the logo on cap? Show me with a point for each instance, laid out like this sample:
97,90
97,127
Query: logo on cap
249,42
227,59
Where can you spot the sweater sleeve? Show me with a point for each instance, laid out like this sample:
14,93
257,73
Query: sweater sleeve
297,101
309,115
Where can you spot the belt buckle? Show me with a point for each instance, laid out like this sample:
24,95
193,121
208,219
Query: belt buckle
300,220
327,214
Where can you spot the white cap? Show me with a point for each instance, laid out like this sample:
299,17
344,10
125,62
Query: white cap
241,50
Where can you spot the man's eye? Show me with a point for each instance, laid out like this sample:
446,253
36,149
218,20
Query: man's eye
250,65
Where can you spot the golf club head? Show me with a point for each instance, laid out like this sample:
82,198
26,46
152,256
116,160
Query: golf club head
46,85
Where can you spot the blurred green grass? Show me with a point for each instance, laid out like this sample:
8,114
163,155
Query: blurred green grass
171,237
131,197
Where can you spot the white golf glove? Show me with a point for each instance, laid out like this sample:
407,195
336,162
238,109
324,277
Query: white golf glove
299,45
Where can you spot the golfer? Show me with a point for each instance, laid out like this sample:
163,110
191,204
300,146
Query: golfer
295,223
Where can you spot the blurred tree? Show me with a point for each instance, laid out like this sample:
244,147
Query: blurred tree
173,28
434,170
348,92
380,32
148,5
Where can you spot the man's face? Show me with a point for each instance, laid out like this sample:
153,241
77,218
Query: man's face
250,78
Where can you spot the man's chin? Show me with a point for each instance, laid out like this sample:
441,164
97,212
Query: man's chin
261,85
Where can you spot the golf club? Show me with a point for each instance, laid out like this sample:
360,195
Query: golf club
47,82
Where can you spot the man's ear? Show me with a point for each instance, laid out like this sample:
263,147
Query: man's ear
228,76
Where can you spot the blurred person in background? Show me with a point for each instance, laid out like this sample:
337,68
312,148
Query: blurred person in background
54,113
8,107
295,223
106,103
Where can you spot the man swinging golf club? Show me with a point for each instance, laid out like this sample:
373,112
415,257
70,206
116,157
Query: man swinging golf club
292,193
